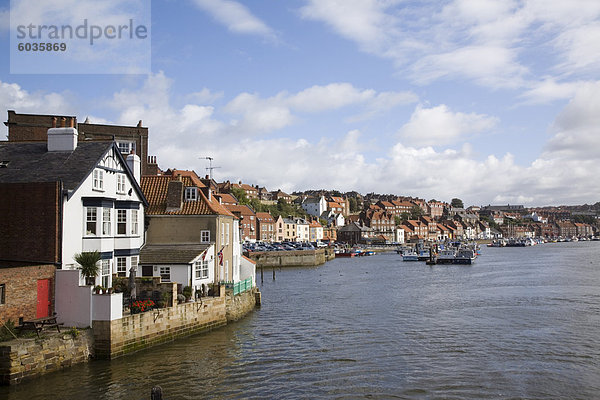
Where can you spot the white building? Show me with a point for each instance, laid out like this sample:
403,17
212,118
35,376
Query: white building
302,230
315,206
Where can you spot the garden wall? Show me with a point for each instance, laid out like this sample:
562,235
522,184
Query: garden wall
299,258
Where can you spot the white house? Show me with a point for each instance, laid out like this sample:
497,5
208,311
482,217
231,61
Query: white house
315,206
302,230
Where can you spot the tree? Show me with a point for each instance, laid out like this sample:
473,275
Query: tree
88,260
457,203
240,194
323,222
397,220
416,212
353,204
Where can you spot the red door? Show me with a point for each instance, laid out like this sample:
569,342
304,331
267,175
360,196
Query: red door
43,298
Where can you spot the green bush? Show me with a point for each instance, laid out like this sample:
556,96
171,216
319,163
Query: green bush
7,331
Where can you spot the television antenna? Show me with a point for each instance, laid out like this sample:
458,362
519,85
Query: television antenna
210,167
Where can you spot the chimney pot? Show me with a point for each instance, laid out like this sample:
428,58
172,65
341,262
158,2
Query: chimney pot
139,125
63,122
54,122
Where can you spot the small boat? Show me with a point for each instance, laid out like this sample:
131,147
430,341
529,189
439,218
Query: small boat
446,256
464,256
410,256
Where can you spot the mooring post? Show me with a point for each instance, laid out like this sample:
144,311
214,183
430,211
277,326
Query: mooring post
261,274
156,393
273,273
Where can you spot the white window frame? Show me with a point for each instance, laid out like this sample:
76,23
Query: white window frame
105,272
201,269
134,222
227,226
191,193
126,147
121,266
222,233
106,222
121,183
121,223
98,180
204,236
164,272
91,217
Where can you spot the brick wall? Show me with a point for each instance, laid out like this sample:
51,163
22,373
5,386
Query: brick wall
21,290
30,223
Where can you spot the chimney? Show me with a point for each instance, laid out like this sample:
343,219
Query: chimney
134,163
62,139
174,195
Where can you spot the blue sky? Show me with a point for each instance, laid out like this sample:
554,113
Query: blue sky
489,101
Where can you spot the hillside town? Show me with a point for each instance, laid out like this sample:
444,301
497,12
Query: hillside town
69,188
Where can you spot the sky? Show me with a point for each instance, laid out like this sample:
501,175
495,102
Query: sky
493,102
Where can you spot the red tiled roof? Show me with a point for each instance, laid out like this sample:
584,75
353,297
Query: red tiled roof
155,189
264,217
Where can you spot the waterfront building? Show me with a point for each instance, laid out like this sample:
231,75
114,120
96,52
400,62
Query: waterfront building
247,221
63,197
316,231
315,206
184,212
302,230
265,227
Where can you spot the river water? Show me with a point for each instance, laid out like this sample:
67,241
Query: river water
519,323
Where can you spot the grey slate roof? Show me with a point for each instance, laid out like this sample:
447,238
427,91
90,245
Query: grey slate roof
32,162
171,254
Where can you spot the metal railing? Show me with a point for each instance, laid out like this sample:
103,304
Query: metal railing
239,287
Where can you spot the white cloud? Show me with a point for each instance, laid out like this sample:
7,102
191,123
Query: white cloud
488,42
180,136
549,90
236,17
13,97
439,126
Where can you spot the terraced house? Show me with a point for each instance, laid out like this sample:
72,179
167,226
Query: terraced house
184,217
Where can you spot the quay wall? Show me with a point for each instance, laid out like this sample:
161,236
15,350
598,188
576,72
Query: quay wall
135,332
239,305
25,359
297,258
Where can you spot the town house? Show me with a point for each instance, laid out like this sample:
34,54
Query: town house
265,227
63,197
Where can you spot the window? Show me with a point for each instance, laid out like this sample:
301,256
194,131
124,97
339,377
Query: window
3,293
126,147
106,222
120,183
121,222
226,270
134,222
105,273
204,236
121,266
222,233
201,268
90,221
98,181
165,274
227,234
191,194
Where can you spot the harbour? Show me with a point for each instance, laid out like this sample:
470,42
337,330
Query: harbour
519,323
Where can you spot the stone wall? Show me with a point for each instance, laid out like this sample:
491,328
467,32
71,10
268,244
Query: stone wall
138,331
240,305
299,258
23,359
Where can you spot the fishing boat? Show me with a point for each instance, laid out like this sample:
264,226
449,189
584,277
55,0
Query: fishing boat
410,256
464,256
446,256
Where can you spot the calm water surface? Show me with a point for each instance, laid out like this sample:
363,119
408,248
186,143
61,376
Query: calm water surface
520,323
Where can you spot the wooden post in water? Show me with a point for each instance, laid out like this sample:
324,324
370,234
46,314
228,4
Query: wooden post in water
261,274
156,393
273,273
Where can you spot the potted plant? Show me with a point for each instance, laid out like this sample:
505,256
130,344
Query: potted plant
97,289
187,293
88,261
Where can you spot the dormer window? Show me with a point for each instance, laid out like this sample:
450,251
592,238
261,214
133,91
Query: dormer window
98,181
191,194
